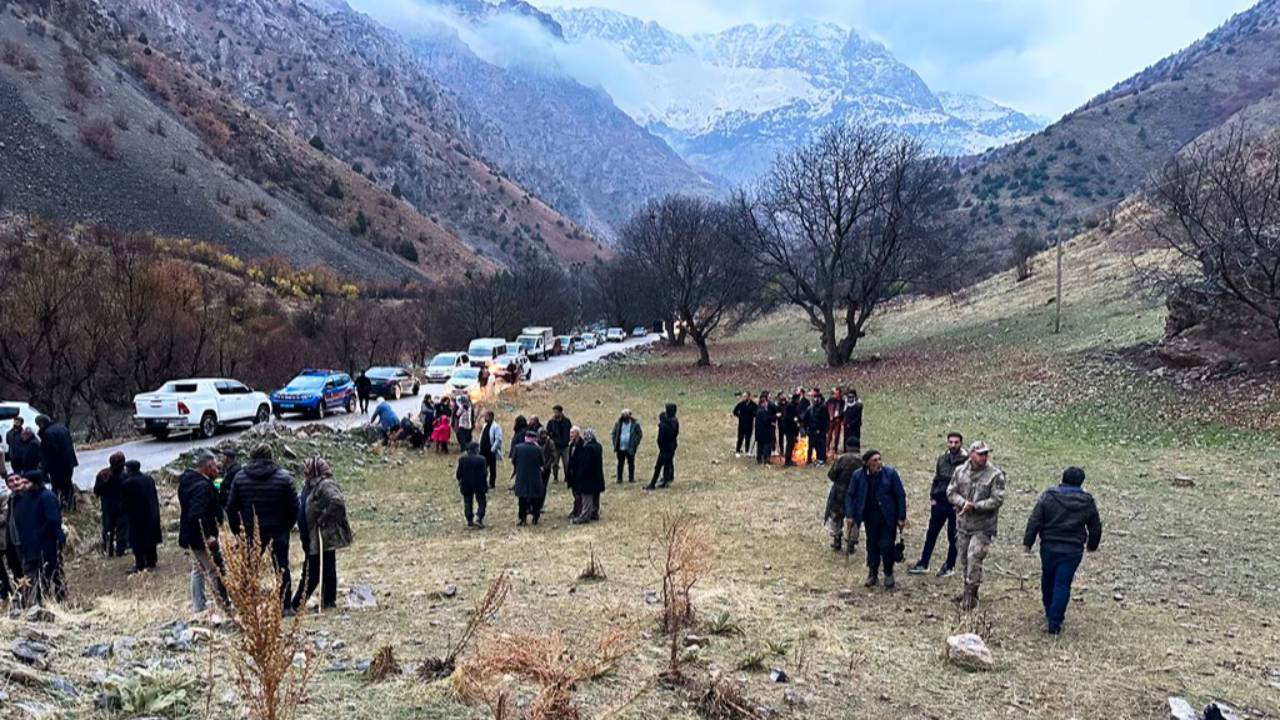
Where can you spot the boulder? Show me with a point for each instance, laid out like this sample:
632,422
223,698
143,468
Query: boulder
968,651
361,596
32,653
1180,709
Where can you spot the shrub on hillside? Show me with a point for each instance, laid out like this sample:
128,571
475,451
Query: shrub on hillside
100,136
408,250
19,57
75,70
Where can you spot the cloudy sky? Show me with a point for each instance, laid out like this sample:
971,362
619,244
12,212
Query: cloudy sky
1039,56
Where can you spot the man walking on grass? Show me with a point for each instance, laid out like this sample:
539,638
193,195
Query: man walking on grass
264,499
877,499
198,524
668,436
1066,520
941,512
840,474
976,491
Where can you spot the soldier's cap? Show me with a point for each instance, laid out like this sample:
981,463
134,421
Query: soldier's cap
979,447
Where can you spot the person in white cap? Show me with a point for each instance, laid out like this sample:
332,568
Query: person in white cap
977,492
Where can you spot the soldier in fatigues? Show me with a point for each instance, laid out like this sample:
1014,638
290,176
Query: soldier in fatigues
841,470
977,492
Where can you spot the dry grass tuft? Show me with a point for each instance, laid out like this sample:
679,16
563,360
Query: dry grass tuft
686,559
263,653
483,611
723,701
384,665
594,572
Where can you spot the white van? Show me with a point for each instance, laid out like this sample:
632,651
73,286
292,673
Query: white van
483,351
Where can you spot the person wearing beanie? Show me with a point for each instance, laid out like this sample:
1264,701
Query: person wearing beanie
1066,520
142,505
263,498
37,520
115,525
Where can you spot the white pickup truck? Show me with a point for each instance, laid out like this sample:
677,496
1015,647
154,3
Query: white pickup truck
198,405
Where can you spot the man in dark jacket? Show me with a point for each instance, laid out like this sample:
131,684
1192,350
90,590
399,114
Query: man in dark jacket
817,422
226,473
745,411
835,422
24,450
877,499
200,516
37,521
558,428
10,440
363,387
115,523
58,453
626,438
668,435
941,512
526,459
264,498
142,505
472,476
588,477
766,415
840,473
1066,520
789,428
573,470
852,421
491,446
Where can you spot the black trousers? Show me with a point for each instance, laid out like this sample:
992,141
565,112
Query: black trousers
626,458
144,556
530,506
789,448
318,570
764,449
46,579
744,438
62,486
664,467
115,532
279,546
364,404
881,534
464,437
6,589
481,501
817,446
491,462
941,514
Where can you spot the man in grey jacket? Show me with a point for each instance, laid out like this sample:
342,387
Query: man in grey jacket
1066,520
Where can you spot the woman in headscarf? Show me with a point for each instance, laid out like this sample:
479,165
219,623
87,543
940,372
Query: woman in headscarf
322,524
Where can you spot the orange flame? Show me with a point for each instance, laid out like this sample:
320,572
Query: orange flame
800,453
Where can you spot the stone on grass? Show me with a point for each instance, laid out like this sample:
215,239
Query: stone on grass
31,653
792,697
968,651
778,675
1180,709
361,596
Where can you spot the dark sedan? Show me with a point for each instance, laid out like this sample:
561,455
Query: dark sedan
391,382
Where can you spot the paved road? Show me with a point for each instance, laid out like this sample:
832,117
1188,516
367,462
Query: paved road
154,454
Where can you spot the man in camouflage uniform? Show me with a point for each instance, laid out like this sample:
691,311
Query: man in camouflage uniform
977,492
840,472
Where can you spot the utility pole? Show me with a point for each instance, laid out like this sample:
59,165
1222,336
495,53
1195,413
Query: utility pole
1057,302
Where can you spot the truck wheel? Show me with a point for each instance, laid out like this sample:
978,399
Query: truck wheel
208,426
263,415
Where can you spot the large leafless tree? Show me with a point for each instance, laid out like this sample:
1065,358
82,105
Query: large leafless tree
843,223
1218,205
687,252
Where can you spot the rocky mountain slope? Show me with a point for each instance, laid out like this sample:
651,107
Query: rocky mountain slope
730,101
1074,172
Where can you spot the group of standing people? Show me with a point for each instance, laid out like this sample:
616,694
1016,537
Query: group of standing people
776,423
49,448
966,494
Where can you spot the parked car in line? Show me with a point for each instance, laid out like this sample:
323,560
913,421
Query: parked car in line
601,338
23,410
464,380
524,368
443,365
565,343
315,392
391,382
587,340
483,351
199,406
578,343
615,334
640,331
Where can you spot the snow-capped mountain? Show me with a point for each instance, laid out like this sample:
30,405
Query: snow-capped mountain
730,101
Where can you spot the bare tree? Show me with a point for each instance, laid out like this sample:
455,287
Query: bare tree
687,252
845,222
1218,205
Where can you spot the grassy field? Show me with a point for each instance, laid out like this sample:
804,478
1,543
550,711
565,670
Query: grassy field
1182,598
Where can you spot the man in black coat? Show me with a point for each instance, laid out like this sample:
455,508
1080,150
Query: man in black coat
852,421
10,440
558,428
363,386
572,470
588,477
264,498
115,523
526,461
491,446
765,428
472,475
228,469
142,505
24,449
668,436
36,522
941,512
817,421
1066,520
58,453
745,411
201,515
789,428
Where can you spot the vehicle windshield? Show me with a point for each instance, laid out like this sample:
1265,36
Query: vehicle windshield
507,359
527,342
480,347
442,361
381,373
468,373
307,382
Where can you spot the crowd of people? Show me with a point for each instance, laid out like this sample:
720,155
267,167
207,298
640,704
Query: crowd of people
775,423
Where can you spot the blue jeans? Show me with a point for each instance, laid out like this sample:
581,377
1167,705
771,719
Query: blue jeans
1057,570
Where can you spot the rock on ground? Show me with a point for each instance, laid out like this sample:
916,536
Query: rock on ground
968,651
